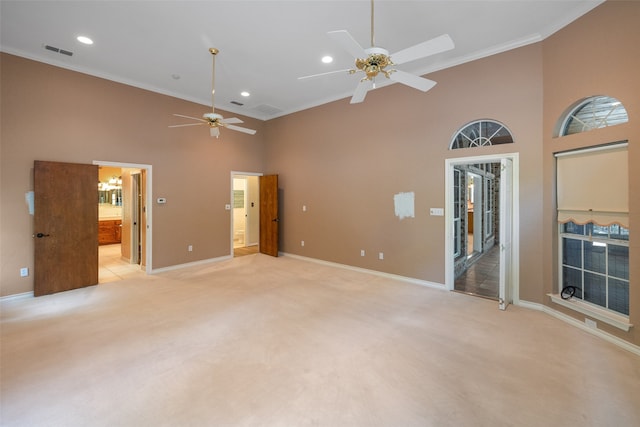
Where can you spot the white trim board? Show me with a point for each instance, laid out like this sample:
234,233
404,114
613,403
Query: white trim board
434,285
19,296
575,322
191,264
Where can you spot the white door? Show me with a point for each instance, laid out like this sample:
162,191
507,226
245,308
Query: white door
135,217
506,212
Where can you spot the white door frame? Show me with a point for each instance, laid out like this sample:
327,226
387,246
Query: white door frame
148,268
515,212
234,174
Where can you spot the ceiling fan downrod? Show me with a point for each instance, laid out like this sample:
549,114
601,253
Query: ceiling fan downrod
213,52
372,37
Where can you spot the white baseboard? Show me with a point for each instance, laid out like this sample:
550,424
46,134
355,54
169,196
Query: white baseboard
578,324
190,264
22,295
433,285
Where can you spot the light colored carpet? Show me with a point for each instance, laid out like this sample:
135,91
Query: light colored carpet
261,341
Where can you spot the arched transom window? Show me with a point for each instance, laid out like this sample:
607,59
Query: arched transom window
481,133
591,113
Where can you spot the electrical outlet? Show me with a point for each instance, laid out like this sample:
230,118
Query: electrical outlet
380,255
190,248
302,243
24,272
591,323
362,252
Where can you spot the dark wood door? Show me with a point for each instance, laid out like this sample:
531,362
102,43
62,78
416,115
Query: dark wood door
65,226
269,219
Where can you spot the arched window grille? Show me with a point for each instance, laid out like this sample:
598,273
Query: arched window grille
592,113
481,133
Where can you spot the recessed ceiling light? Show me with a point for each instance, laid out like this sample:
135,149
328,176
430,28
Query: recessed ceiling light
245,93
84,40
327,59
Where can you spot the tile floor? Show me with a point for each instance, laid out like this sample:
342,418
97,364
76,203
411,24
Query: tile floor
245,250
111,266
482,278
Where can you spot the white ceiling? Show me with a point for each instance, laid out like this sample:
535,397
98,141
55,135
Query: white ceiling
265,45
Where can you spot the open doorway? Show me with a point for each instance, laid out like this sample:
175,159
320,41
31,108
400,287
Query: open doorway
245,218
481,222
476,262
124,232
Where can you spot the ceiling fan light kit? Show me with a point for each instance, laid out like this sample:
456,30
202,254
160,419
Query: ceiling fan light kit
375,60
213,119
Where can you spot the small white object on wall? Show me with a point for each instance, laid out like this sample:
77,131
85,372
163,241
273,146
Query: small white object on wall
29,198
404,205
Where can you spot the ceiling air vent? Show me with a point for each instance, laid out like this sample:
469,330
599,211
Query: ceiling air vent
268,110
237,103
58,50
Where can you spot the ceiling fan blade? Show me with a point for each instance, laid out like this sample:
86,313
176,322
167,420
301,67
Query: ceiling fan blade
439,44
186,124
189,117
231,120
414,81
241,129
346,70
361,91
215,132
348,43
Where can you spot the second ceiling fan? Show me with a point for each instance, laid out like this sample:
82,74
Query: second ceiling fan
375,60
213,119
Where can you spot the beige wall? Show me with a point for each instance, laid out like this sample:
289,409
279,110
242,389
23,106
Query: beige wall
344,162
597,55
54,114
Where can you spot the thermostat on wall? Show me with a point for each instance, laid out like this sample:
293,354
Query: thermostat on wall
162,200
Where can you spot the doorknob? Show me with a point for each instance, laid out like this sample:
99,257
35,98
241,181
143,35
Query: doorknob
276,220
41,235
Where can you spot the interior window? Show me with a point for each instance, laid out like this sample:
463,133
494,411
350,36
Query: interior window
592,113
481,133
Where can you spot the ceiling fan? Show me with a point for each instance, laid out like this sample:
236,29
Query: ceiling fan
213,119
375,60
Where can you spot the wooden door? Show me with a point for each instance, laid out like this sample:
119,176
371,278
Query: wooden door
65,226
269,219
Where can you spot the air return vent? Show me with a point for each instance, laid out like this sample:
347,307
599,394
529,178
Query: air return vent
58,50
267,109
237,103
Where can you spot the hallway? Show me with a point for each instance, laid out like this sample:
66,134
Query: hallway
111,266
482,278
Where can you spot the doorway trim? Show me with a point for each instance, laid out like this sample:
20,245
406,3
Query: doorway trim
233,175
515,217
148,268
